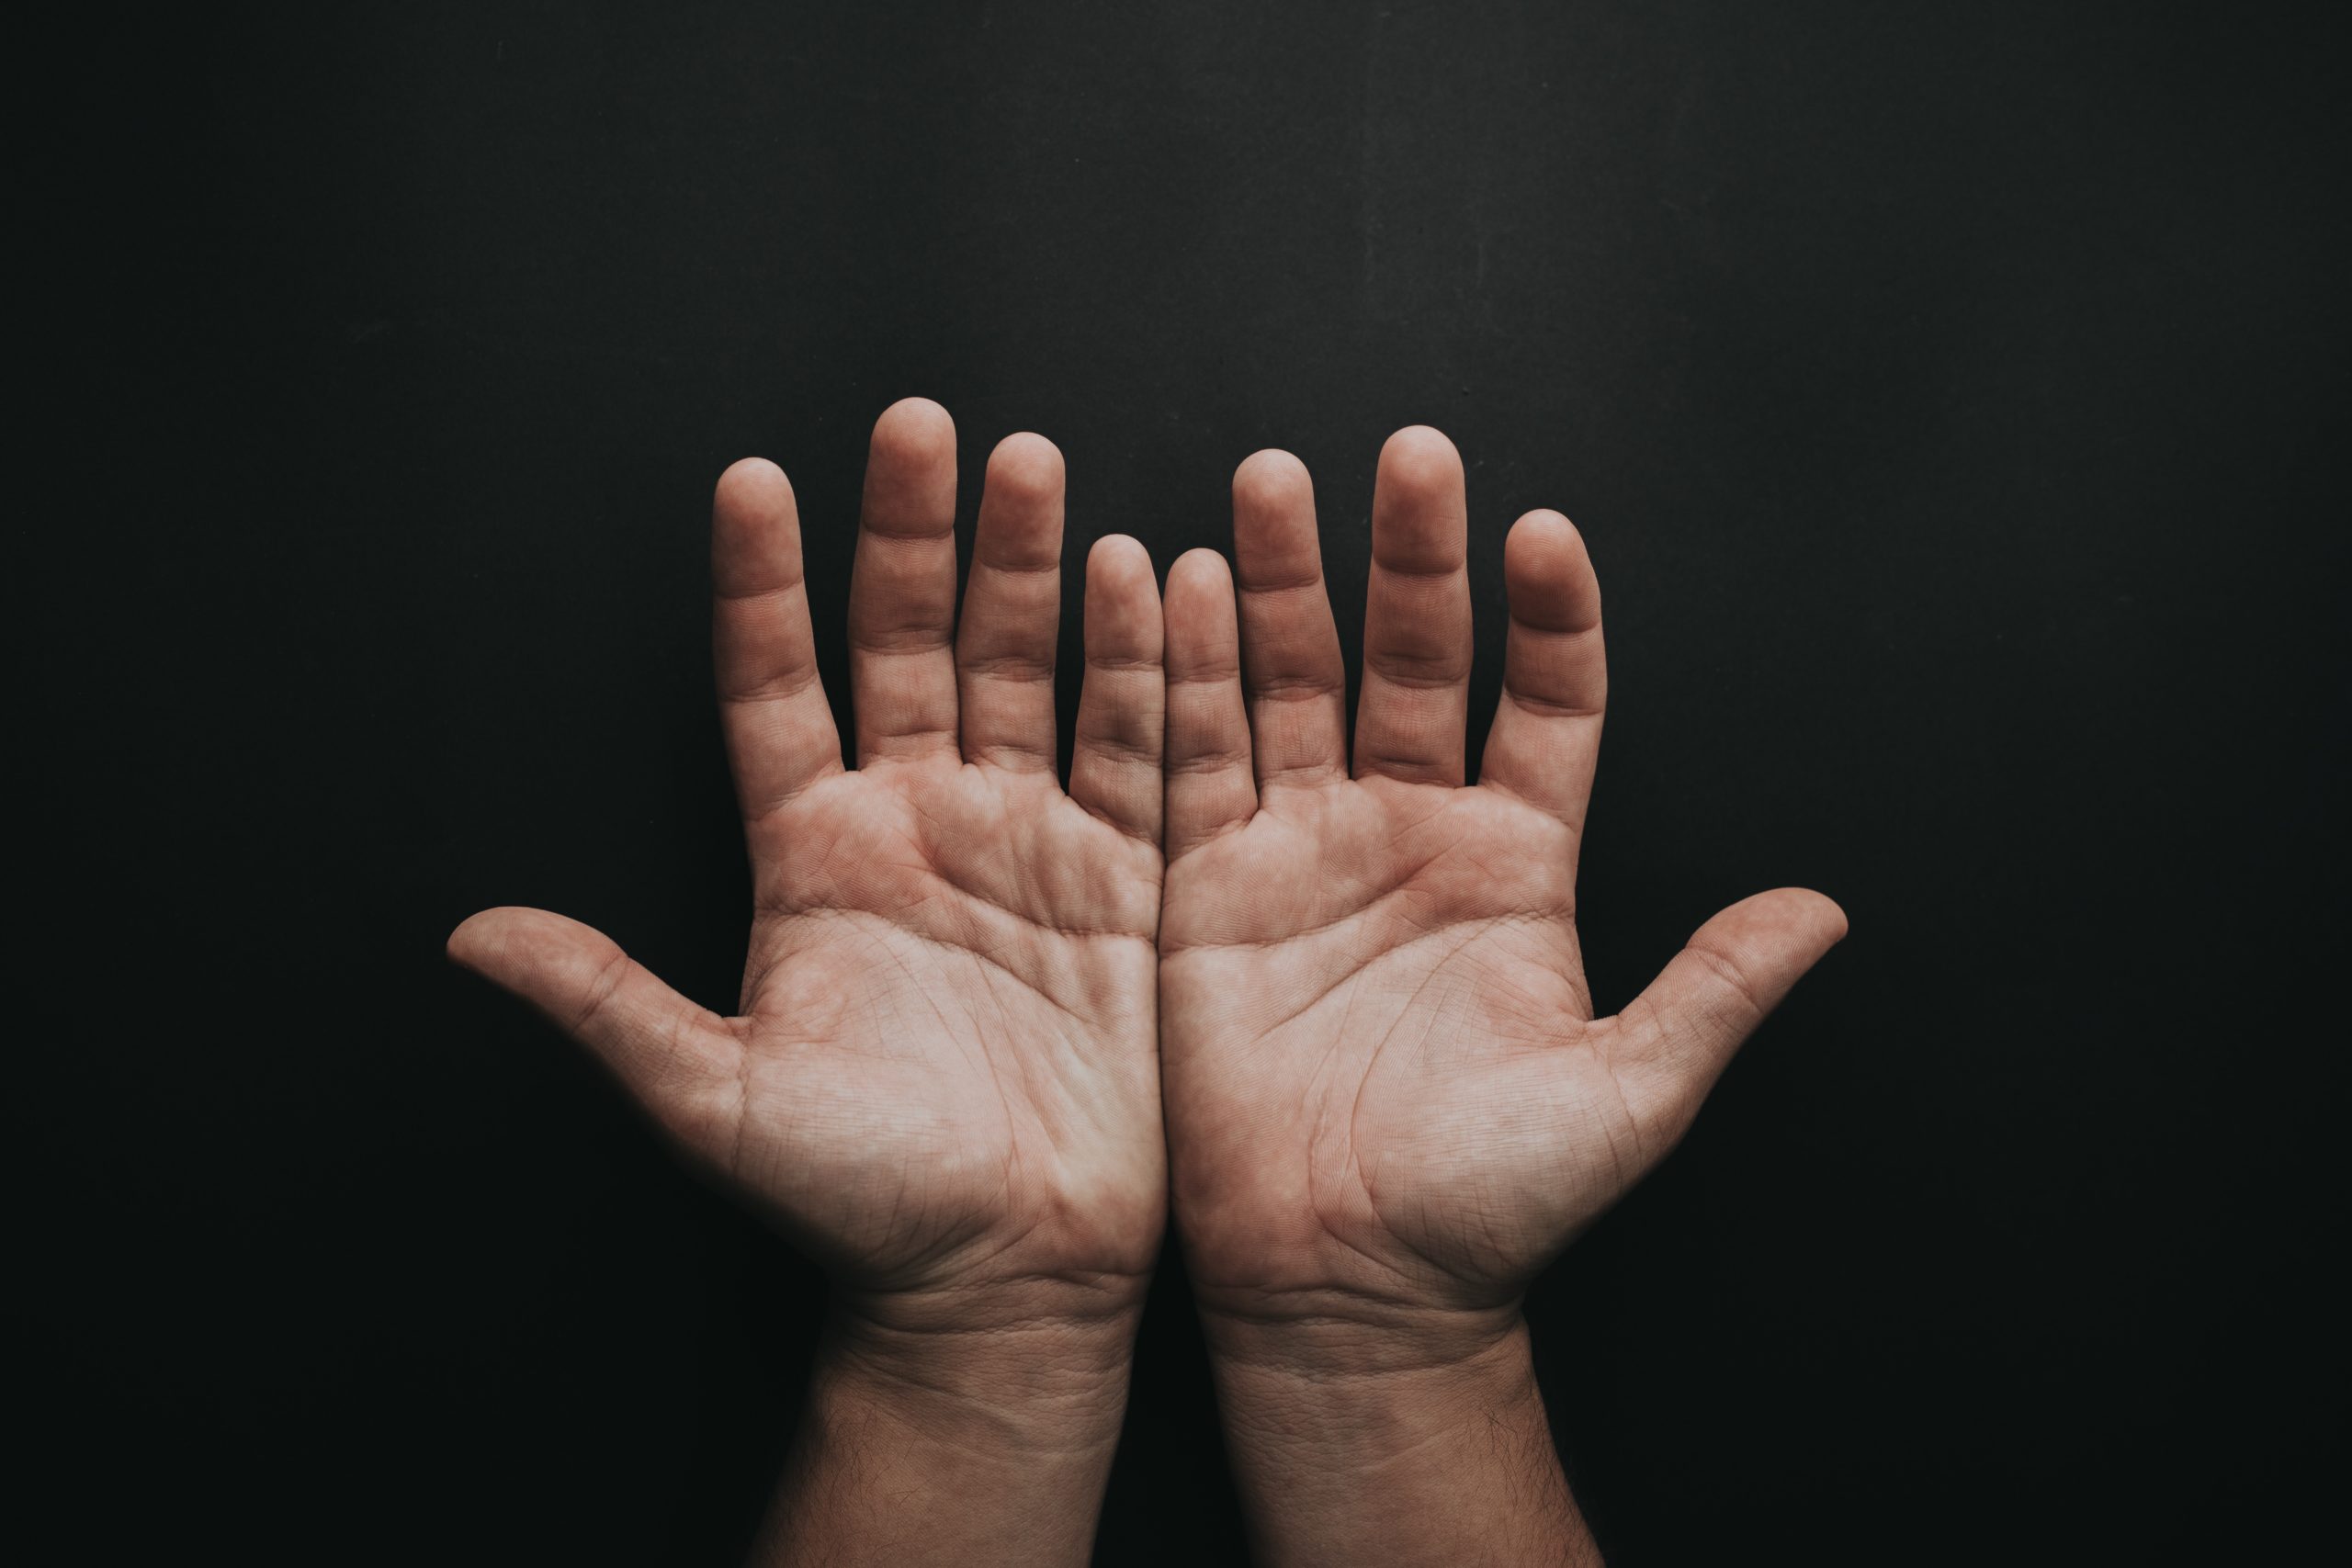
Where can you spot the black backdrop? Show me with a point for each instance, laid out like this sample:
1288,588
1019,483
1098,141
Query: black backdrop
1947,394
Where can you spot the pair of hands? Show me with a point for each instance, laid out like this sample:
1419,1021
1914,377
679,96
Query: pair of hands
993,1031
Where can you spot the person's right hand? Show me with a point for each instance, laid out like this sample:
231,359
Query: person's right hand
1388,1100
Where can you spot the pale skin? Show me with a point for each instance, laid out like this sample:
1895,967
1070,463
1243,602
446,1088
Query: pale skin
942,1078
1356,987
1389,1103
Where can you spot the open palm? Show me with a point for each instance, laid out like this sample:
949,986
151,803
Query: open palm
942,1070
1384,1084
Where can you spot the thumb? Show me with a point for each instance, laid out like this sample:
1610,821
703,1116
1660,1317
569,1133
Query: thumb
672,1053
1734,970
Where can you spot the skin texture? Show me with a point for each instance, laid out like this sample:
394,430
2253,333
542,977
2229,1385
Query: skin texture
942,1076
1389,1103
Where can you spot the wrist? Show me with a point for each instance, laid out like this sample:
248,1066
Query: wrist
1321,1334
1348,1389
982,1435
1428,1444
1036,1368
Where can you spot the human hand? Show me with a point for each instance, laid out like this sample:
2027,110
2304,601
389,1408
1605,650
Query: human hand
942,1076
1389,1103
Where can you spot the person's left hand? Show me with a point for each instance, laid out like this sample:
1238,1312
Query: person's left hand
944,1074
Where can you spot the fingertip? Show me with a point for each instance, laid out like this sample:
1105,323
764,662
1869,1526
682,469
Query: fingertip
750,493
485,940
1120,558
1807,909
1788,919
1020,527
1026,465
1202,637
465,943
1419,513
915,427
754,532
1275,542
1547,574
1827,915
1421,458
910,494
916,411
1270,477
750,478
1733,971
1197,572
1124,616
1544,528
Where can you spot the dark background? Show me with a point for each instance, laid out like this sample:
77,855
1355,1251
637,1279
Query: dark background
1948,395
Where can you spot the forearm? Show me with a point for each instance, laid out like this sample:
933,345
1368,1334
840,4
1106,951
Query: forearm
1379,1448
980,1445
